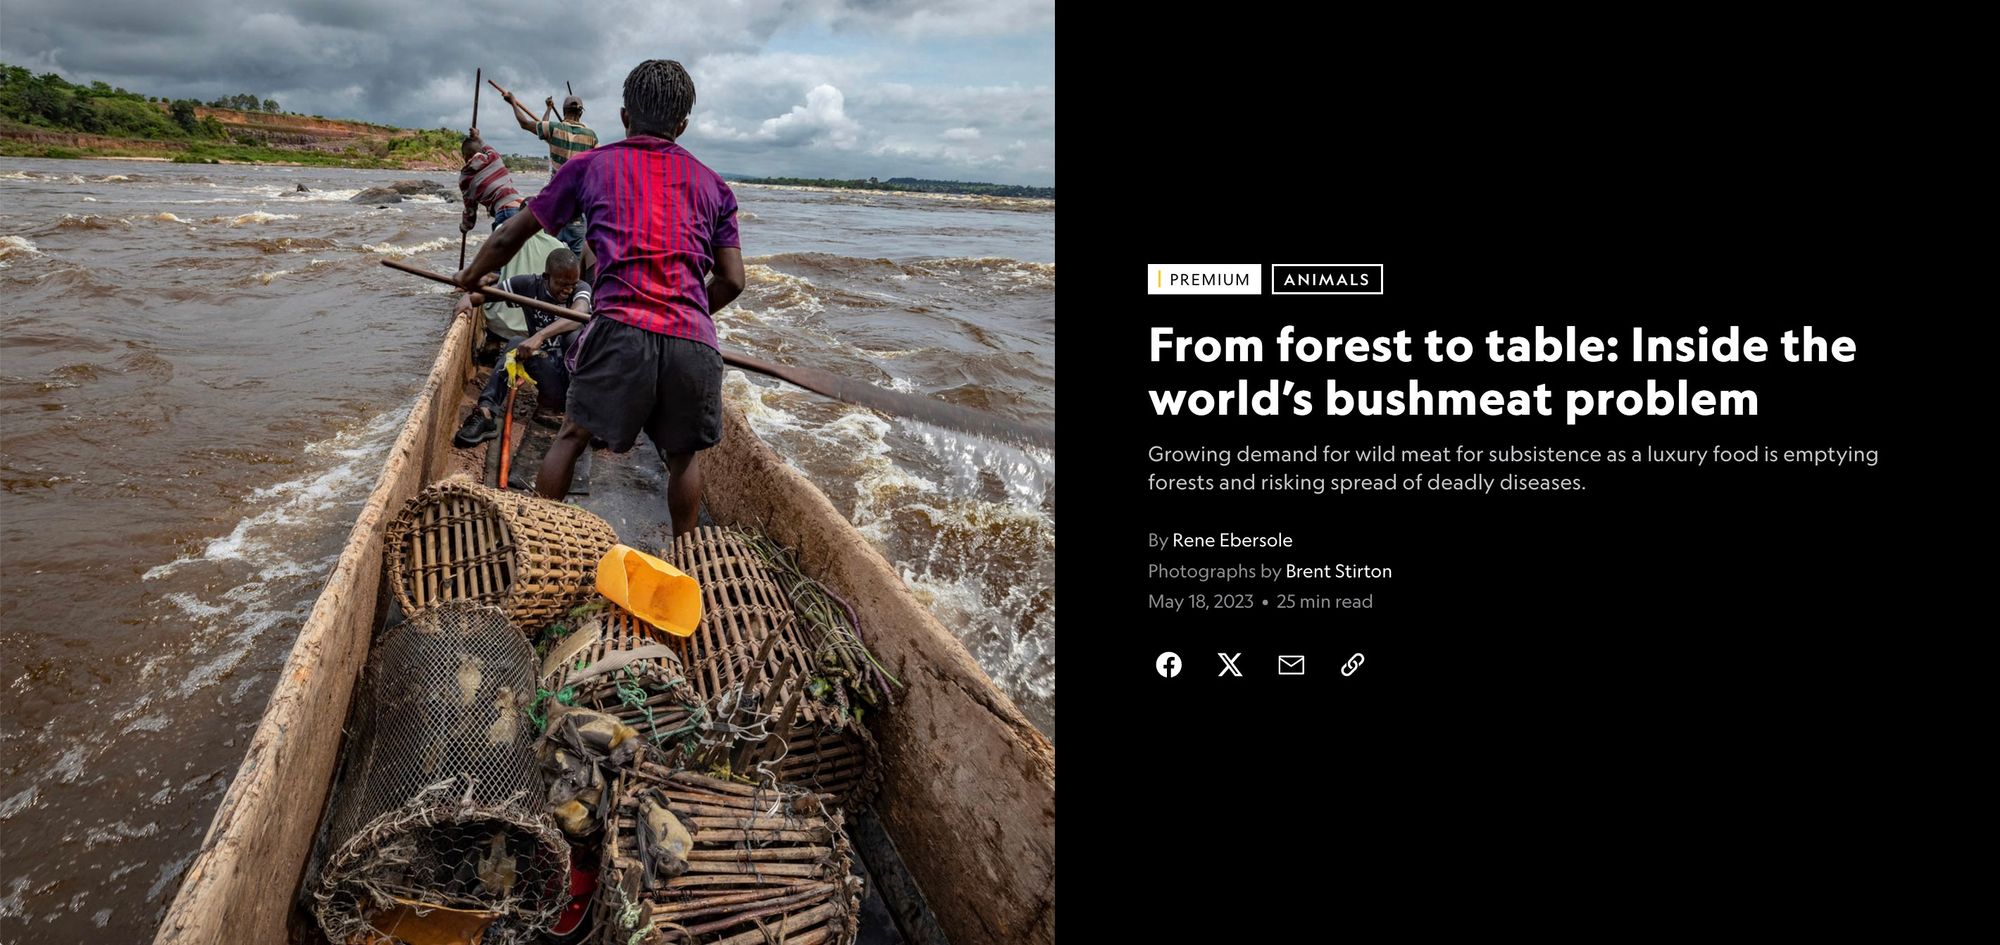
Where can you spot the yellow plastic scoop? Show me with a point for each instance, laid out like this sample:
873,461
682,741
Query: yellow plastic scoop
653,590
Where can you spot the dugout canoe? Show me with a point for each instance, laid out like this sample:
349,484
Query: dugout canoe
968,784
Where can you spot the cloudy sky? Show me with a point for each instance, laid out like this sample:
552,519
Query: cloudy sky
955,89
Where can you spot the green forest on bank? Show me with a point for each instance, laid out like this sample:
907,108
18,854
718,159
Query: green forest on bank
174,128
47,103
908,185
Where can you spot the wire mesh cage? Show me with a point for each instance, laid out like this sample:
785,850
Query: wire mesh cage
437,819
769,676
619,665
694,859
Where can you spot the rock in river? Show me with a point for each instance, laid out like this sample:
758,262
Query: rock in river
394,193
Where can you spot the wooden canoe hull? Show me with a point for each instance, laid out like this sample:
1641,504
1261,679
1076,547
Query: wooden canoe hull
968,791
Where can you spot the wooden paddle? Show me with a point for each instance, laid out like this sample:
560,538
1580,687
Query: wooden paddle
825,383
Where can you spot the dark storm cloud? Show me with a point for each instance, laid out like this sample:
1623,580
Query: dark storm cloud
368,60
796,111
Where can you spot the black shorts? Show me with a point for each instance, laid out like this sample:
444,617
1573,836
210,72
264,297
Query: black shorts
628,379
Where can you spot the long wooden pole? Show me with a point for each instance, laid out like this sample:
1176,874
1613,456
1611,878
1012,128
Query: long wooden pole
824,383
476,73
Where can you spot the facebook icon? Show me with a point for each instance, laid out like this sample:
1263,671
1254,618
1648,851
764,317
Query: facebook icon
1168,664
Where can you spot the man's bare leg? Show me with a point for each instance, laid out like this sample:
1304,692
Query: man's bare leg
683,490
559,463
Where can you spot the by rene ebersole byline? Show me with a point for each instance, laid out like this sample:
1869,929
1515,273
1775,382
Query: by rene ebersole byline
1223,540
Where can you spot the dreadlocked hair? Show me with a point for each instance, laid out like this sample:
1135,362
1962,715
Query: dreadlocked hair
658,96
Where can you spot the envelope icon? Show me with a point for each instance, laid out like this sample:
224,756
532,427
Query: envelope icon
1291,666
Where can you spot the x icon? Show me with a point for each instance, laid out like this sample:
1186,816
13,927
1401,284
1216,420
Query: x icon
1229,665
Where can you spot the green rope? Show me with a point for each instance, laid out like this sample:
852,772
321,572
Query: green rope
540,716
628,918
633,695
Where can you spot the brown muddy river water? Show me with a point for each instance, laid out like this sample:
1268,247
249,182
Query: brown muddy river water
200,371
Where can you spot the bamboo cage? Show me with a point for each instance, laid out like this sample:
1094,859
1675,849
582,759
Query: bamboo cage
753,658
460,541
623,667
765,864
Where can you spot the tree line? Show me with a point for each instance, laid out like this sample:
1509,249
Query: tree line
49,101
908,184
246,103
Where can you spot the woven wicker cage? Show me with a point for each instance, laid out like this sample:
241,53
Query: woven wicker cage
766,865
461,541
438,804
752,657
616,664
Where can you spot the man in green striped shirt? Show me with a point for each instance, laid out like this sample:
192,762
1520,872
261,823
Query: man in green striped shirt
567,138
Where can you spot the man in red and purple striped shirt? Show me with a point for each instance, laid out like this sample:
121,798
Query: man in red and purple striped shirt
659,222
484,181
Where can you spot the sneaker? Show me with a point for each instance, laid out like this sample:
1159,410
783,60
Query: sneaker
477,429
